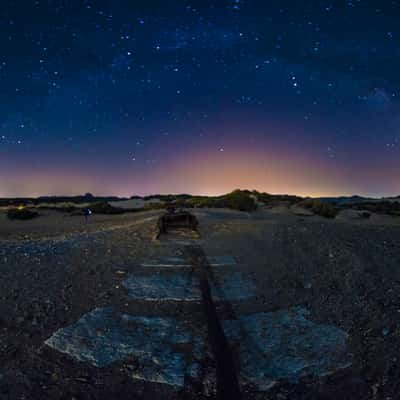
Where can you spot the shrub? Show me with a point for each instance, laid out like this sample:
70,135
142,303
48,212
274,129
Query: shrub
238,200
324,209
276,199
180,203
365,214
152,206
78,212
67,209
201,202
21,213
103,207
379,207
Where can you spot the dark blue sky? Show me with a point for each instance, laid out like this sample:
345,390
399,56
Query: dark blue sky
133,97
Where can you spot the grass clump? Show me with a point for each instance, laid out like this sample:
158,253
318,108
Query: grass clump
322,208
21,214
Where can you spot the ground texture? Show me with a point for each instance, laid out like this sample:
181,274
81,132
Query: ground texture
311,307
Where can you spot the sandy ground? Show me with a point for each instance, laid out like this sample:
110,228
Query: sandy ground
55,269
55,224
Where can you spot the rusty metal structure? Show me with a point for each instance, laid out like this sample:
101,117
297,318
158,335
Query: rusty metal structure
173,220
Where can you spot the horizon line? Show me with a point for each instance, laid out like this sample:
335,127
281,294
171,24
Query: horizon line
372,196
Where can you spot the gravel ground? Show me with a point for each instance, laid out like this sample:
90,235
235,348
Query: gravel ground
56,269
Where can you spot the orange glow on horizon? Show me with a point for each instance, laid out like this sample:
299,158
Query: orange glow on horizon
205,172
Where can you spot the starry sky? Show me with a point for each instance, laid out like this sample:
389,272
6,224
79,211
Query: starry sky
137,97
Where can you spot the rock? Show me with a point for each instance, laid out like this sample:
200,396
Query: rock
286,345
105,336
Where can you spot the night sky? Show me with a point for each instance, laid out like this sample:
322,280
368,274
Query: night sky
138,97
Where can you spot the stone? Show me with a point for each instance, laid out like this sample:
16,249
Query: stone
285,345
164,287
105,336
184,286
182,262
232,286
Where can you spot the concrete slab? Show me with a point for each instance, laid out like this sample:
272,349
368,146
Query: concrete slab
181,262
218,261
104,336
184,286
285,345
232,286
181,286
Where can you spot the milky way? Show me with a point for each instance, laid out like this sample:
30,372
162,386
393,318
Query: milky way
138,97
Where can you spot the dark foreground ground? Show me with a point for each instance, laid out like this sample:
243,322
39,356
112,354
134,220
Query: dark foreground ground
346,273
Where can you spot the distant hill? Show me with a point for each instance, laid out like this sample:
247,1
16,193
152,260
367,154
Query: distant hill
87,198
343,200
265,198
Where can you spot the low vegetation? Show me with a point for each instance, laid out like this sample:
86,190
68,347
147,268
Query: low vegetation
167,198
365,214
22,213
322,208
52,201
379,207
240,200
152,206
103,207
277,199
61,207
